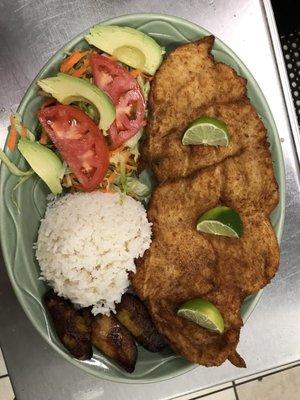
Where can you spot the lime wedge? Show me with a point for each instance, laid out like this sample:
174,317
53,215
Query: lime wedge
207,131
203,313
221,220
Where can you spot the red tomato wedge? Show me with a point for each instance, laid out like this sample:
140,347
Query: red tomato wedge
79,141
126,95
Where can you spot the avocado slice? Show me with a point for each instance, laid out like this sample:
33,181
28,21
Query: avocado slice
66,89
45,163
128,45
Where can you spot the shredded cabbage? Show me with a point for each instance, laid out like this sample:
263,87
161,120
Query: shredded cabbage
144,85
89,109
16,118
137,188
13,169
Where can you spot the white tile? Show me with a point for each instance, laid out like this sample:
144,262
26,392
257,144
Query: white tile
266,372
282,385
204,392
227,394
6,390
3,370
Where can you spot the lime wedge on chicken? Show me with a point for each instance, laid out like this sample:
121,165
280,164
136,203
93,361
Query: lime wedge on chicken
221,220
206,131
203,313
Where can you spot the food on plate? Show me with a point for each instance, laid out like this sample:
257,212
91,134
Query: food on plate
44,162
78,329
126,94
203,313
79,142
206,131
127,45
66,89
171,159
87,315
222,221
114,340
213,243
132,313
180,94
70,326
91,88
87,244
229,186
69,64
183,264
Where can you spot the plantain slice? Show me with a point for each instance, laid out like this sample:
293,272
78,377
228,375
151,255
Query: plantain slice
114,340
133,314
70,326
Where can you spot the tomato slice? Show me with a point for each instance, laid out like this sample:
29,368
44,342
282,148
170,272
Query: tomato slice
79,141
126,95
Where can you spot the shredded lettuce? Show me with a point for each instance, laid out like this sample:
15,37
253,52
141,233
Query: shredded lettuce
65,170
117,158
13,169
89,109
132,186
123,180
20,183
137,188
144,85
132,142
18,124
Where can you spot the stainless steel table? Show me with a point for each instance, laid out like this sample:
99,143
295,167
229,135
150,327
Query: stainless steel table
31,31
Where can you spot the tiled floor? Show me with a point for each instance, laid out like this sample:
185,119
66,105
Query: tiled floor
282,383
6,391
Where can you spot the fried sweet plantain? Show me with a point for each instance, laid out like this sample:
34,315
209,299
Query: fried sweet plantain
132,313
87,315
70,326
115,341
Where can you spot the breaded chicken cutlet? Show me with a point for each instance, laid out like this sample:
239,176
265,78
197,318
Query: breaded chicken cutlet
182,263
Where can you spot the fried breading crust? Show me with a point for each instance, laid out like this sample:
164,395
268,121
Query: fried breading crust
182,263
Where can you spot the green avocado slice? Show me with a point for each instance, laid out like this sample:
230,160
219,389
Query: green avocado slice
128,45
45,163
67,89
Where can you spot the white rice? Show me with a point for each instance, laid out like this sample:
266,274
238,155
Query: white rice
87,244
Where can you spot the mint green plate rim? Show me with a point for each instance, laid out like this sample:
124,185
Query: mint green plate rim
130,20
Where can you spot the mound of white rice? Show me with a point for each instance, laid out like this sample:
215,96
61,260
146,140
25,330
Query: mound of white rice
87,243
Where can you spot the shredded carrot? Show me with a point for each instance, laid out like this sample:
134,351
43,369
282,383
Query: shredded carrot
24,132
13,135
126,156
119,149
135,73
79,72
12,139
44,137
111,178
73,59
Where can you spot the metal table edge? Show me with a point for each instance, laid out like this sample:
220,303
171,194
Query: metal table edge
273,31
